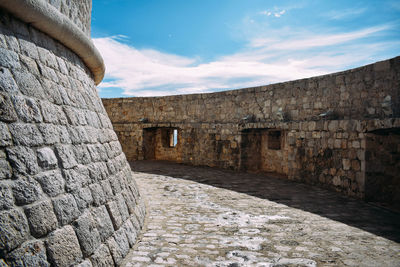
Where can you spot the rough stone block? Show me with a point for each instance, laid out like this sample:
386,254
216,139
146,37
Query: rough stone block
32,253
6,197
63,247
51,91
115,184
129,200
41,218
23,160
28,84
88,236
66,209
26,190
102,257
5,136
52,182
123,209
66,156
76,178
130,232
103,222
83,198
50,133
7,83
85,263
97,194
9,59
94,153
78,135
14,230
115,250
46,158
5,169
26,134
7,111
82,154
113,210
122,241
28,48
64,135
105,184
27,109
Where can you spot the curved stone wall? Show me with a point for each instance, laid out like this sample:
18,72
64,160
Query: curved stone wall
67,196
319,130
77,11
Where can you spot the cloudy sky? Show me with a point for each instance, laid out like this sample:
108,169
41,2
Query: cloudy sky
167,47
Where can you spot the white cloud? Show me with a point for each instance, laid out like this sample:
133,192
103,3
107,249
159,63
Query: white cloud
311,41
276,14
347,13
282,57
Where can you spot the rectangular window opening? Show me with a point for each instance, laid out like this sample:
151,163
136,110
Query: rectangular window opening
173,138
274,140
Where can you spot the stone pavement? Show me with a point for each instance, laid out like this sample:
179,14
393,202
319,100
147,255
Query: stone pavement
199,216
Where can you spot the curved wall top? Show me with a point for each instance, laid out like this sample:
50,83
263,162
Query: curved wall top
73,31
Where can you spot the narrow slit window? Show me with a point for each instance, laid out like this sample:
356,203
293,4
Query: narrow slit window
173,138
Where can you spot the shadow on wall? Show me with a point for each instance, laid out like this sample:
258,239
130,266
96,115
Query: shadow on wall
356,213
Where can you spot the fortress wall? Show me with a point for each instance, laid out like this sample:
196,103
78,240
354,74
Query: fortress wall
275,128
76,11
67,197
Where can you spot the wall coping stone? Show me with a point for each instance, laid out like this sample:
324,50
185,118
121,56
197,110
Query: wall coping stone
49,20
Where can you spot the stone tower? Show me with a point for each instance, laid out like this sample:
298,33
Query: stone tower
67,196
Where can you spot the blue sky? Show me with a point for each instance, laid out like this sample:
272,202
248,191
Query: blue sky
168,47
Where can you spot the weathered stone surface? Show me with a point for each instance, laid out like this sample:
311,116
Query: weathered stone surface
85,263
27,109
87,233
115,215
41,218
7,112
115,250
105,184
122,207
23,160
102,257
5,169
52,182
7,83
26,134
5,136
243,219
122,241
9,59
66,156
14,230
97,194
6,197
76,178
66,209
26,190
49,113
46,158
130,232
49,133
63,247
83,198
129,200
28,84
31,253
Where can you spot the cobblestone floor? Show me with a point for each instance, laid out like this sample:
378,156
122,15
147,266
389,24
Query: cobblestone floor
200,216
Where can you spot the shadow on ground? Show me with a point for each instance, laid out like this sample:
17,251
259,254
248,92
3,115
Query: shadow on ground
353,212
